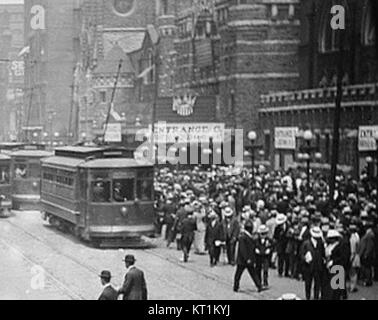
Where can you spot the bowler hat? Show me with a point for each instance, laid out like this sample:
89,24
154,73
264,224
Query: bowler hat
129,258
105,275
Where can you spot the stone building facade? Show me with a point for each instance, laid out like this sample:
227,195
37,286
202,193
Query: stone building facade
313,106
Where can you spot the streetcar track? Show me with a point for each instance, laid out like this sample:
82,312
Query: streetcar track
60,284
168,259
92,270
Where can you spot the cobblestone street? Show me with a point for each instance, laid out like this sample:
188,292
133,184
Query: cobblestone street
26,242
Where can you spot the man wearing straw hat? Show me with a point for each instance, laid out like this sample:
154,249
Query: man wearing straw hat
313,256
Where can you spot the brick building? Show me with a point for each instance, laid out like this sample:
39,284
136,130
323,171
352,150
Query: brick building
11,69
237,50
313,106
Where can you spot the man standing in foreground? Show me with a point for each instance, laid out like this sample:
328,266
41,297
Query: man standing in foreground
108,293
313,256
246,258
134,286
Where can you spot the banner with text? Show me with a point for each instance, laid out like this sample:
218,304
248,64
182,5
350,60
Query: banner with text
367,136
285,138
189,132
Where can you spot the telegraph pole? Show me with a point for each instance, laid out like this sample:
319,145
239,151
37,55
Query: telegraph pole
336,121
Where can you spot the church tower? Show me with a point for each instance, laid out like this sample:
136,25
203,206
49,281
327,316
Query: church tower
166,25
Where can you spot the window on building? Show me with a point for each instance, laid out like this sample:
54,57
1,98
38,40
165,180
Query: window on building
151,67
164,7
103,96
368,25
327,148
267,146
329,39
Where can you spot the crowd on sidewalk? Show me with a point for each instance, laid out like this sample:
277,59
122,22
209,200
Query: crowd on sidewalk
274,220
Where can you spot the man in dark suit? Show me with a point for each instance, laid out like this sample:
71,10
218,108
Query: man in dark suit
187,229
281,239
134,286
246,258
231,228
313,256
263,251
214,238
108,293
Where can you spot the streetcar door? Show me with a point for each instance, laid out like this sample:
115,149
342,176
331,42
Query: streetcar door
83,191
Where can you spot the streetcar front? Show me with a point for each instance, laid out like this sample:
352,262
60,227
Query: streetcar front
26,178
119,201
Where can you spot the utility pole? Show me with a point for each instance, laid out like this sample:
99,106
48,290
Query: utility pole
112,98
336,121
156,97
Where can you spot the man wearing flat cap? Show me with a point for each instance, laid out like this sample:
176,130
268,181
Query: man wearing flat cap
134,286
108,293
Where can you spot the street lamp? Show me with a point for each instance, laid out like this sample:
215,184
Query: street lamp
252,137
306,154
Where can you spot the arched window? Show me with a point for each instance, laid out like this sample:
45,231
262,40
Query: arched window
164,7
368,25
329,38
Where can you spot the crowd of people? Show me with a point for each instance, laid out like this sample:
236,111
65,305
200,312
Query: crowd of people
274,220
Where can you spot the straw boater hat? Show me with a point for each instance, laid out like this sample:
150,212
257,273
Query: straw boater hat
333,234
316,232
281,219
228,212
288,297
263,229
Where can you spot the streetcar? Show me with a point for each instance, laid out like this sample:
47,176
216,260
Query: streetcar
102,195
25,178
9,147
5,185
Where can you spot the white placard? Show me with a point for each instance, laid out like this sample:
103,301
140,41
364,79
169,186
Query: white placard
285,138
367,136
113,132
189,132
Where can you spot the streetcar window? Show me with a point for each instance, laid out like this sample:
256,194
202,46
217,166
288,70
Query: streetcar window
144,190
4,175
101,191
123,190
20,171
35,170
